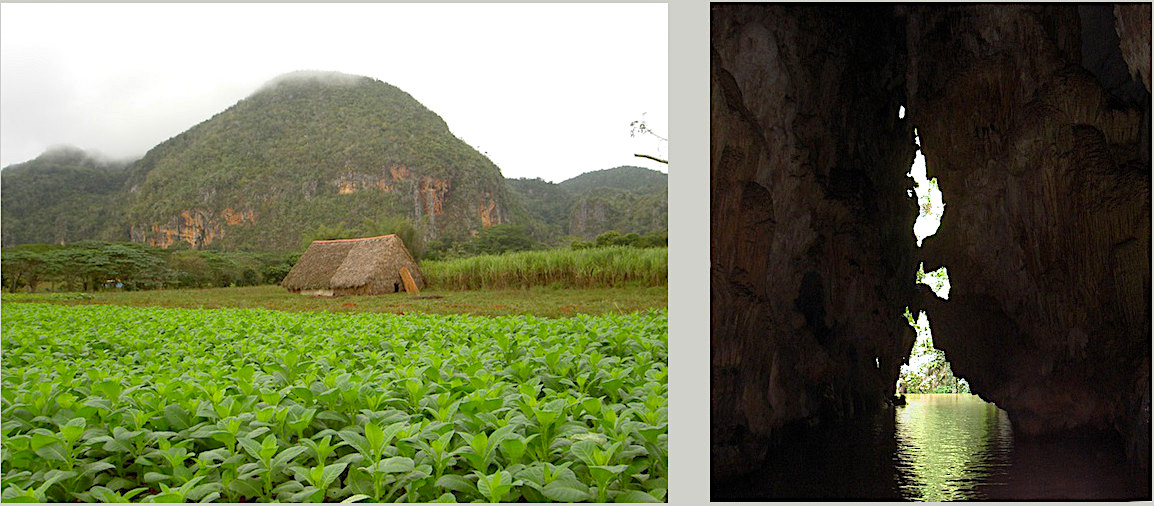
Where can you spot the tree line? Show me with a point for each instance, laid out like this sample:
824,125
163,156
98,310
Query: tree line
95,265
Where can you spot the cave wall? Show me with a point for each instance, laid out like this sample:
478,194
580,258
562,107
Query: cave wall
812,253
1036,120
1039,134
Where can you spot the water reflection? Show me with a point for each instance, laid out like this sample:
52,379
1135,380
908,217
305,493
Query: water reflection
948,445
937,447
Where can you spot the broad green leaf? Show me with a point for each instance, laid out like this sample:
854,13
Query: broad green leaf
305,495
287,455
358,498
20,496
166,497
246,488
456,483
566,492
635,496
374,435
55,475
96,467
395,465
584,450
224,437
357,441
502,434
155,477
177,417
592,405
40,440
604,474
332,472
19,443
252,447
53,451
104,494
268,447
513,448
108,389
73,429
480,443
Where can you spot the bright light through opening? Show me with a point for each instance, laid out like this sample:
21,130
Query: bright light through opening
927,370
931,207
901,112
938,281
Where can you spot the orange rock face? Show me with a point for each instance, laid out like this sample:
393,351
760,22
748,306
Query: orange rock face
432,193
488,216
399,172
234,217
197,227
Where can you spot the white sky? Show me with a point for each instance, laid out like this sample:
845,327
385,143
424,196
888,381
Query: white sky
927,223
546,90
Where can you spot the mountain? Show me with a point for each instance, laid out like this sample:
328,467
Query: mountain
629,178
626,199
311,150
63,195
311,154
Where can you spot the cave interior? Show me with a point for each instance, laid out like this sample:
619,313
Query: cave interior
1036,120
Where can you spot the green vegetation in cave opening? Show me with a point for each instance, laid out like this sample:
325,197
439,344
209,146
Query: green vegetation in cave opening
938,281
931,206
927,371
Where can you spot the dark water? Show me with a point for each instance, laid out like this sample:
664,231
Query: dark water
939,448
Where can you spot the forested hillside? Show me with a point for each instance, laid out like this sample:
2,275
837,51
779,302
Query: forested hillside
312,150
63,195
625,199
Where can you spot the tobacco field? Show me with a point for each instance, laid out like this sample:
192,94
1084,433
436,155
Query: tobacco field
112,403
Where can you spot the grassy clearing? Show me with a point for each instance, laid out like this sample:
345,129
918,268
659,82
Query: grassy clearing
109,403
541,301
563,268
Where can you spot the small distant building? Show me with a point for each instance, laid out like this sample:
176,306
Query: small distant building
366,266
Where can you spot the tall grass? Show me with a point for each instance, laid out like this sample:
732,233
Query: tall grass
584,268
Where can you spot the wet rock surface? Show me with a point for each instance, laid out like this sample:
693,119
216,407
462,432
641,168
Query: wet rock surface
1047,230
812,261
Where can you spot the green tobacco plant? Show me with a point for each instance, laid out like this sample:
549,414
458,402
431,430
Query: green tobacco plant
109,403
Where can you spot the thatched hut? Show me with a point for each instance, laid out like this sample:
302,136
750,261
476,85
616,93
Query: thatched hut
366,266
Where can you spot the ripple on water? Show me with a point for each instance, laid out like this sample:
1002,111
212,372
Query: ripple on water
948,445
936,448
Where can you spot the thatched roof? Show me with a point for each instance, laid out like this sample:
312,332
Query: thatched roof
366,265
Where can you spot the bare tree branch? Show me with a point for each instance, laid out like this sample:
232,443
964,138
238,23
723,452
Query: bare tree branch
654,158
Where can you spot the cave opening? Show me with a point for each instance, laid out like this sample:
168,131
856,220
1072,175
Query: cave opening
927,370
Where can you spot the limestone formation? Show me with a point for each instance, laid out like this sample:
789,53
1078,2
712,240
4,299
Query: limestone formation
1036,121
813,257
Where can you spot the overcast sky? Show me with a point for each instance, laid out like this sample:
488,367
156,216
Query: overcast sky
546,90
